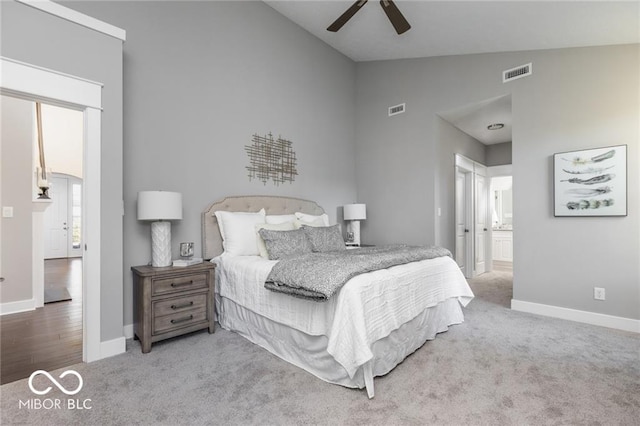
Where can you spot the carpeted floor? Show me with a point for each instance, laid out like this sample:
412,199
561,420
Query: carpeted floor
498,368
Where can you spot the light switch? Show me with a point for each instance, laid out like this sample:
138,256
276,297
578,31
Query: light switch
7,211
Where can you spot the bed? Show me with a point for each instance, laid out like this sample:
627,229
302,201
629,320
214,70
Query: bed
367,328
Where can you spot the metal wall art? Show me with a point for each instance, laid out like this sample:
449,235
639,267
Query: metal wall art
591,182
271,159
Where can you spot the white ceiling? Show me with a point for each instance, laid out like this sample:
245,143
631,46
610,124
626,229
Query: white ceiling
441,28
474,119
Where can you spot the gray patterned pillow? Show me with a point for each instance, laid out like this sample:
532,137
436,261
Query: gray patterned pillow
324,238
285,243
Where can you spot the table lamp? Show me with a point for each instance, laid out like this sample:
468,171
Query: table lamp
160,207
355,213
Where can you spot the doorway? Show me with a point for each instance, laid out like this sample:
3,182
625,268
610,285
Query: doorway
25,81
63,219
51,335
501,207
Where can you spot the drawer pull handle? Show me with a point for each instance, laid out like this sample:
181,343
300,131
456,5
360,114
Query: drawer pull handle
179,320
184,305
181,284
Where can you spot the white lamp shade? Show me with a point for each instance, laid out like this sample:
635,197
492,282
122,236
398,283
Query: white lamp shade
355,212
159,205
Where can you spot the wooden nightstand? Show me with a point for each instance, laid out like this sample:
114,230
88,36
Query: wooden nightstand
172,301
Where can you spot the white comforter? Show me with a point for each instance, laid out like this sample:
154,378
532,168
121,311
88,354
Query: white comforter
368,308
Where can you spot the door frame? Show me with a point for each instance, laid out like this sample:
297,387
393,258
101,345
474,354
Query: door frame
30,82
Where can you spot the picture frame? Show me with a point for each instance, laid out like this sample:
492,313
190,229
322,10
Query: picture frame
590,182
186,249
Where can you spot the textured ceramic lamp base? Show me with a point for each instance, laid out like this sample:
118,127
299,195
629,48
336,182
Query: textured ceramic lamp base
161,244
354,226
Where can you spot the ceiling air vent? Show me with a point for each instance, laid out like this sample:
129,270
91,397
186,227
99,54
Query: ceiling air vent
517,72
395,110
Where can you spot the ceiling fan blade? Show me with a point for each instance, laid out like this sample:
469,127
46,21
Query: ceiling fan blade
348,14
395,16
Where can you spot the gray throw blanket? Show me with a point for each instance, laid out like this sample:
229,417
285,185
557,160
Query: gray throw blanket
318,276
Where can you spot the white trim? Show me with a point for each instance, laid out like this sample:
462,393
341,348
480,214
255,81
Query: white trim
112,347
91,235
35,83
128,331
21,78
71,15
504,170
19,306
593,318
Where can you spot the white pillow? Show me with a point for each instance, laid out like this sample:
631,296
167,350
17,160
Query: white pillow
319,222
308,219
238,231
280,218
262,247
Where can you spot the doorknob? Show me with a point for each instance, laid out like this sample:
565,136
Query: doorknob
485,229
466,230
1,279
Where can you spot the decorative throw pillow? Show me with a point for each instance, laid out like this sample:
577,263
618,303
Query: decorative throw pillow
262,248
310,218
281,244
238,231
326,238
280,218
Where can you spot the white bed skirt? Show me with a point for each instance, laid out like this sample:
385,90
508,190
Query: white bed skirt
310,352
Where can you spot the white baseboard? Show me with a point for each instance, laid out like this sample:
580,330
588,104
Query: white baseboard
112,347
128,331
610,321
19,306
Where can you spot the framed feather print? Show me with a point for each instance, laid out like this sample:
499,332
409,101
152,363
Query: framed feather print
591,182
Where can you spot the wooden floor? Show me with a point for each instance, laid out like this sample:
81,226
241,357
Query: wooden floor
49,337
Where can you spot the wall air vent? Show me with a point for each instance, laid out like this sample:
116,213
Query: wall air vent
397,109
517,72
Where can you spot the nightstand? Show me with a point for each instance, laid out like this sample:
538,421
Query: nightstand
172,301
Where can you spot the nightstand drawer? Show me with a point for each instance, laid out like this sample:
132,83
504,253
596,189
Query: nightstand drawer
178,320
179,304
178,283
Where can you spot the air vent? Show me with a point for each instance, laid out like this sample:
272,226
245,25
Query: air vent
517,72
395,110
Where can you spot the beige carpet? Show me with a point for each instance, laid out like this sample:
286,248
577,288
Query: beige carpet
498,368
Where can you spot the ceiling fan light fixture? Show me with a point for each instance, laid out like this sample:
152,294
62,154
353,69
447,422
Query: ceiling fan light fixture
495,126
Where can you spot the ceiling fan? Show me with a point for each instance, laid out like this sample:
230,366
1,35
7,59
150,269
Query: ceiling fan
393,13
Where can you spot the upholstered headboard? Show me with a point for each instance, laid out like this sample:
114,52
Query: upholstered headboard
211,238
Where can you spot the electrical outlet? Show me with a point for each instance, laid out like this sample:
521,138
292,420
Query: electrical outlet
598,293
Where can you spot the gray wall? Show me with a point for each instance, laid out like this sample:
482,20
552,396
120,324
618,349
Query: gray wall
449,142
586,98
38,38
576,99
498,154
16,123
200,79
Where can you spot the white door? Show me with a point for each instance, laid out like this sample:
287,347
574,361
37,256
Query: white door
461,220
55,221
481,226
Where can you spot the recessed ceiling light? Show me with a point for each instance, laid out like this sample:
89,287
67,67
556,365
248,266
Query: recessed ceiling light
495,126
